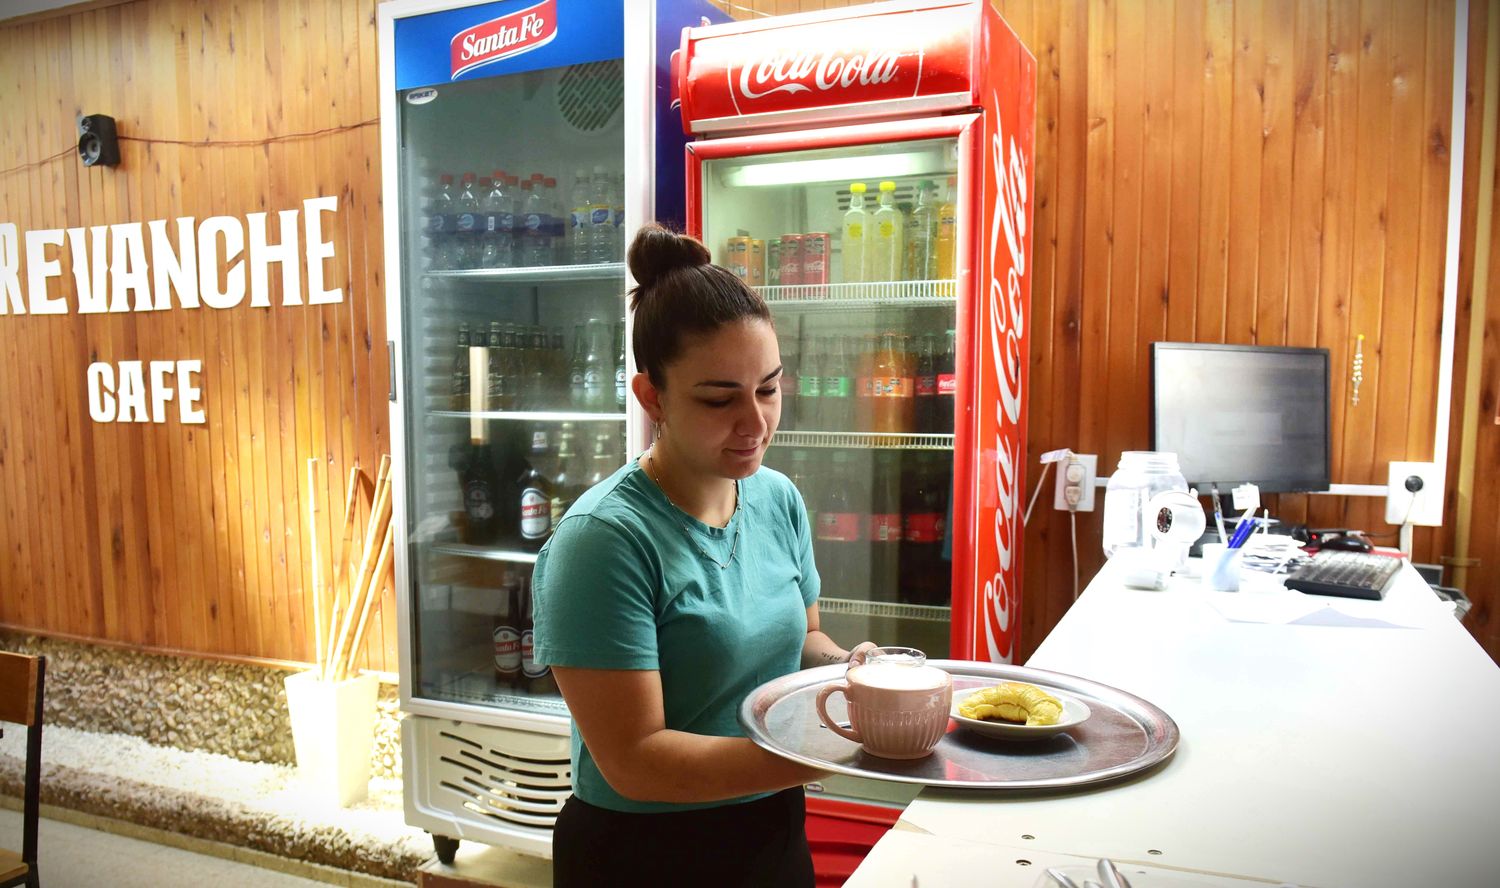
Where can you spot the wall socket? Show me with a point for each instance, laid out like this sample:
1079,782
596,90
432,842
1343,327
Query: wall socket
1073,490
1425,507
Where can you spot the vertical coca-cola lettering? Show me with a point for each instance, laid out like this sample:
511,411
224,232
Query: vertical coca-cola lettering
1006,318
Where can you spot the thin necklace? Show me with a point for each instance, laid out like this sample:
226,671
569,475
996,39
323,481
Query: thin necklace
723,565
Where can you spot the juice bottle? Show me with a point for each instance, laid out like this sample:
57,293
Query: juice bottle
856,224
885,256
864,384
947,235
921,232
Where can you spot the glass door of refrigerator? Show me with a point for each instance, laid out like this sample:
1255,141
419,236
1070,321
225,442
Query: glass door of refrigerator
513,314
853,248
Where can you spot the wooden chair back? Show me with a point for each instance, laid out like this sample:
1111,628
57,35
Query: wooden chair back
18,688
23,682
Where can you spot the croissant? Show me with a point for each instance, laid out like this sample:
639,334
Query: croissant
1012,701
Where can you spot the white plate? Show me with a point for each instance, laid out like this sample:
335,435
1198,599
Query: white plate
1075,712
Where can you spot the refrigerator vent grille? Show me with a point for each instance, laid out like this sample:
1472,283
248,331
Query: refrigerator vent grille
589,95
507,787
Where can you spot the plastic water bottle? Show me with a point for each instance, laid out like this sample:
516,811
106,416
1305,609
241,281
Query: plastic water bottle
466,205
617,192
921,233
601,209
534,241
884,253
499,218
553,202
439,221
856,225
578,219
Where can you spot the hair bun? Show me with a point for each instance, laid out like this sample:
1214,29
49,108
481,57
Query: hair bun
656,251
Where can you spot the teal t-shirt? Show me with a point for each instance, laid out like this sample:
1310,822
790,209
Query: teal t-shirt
622,585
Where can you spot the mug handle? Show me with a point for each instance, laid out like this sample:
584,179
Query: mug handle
842,688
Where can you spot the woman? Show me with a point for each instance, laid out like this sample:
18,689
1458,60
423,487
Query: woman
671,590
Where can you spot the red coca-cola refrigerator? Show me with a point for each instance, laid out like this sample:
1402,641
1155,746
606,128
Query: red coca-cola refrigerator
870,170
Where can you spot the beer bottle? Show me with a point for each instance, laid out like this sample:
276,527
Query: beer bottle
507,635
477,479
926,394
577,394
557,368
884,527
538,677
510,369
602,464
837,395
495,383
597,396
535,508
535,395
565,486
459,391
620,367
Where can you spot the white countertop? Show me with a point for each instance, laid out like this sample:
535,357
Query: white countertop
1339,743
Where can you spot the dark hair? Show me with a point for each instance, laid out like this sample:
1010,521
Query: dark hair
680,293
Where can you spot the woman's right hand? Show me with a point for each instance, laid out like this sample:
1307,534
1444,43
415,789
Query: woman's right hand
857,655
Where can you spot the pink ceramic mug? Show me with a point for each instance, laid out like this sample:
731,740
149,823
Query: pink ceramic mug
898,705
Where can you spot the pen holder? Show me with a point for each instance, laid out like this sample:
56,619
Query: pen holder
1221,567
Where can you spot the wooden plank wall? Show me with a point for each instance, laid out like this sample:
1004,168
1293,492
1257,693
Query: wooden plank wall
1268,171
1246,171
192,537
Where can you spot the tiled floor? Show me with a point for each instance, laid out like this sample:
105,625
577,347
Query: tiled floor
78,857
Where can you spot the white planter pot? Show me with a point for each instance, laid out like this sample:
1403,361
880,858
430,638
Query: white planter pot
333,730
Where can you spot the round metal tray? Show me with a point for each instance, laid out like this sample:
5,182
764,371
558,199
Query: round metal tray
1125,734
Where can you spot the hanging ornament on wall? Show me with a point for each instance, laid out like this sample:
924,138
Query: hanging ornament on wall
1358,375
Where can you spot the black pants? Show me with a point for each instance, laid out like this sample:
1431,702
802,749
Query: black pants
759,843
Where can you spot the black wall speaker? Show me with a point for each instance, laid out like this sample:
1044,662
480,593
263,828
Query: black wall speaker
97,143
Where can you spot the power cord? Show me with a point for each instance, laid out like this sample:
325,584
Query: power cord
1041,479
1073,520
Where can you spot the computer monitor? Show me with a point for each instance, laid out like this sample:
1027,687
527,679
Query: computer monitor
1238,413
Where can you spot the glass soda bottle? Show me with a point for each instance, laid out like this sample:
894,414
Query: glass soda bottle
810,385
946,244
921,234
837,393
947,387
884,526
856,225
891,387
925,378
620,367
885,256
839,532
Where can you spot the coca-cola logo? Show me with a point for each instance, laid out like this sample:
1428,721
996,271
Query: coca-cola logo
504,37
805,71
1007,307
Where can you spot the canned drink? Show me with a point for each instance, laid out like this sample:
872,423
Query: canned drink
757,263
773,262
815,257
791,259
739,257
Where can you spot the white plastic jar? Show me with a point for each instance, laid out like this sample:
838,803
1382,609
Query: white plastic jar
1141,475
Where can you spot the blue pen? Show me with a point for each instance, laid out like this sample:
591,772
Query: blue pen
1242,532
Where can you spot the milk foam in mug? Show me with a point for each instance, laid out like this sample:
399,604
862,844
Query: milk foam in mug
898,705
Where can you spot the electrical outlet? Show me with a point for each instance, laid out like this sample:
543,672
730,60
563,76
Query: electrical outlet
1425,506
1073,490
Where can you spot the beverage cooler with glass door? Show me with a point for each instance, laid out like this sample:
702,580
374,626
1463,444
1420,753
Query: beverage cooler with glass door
520,150
869,170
